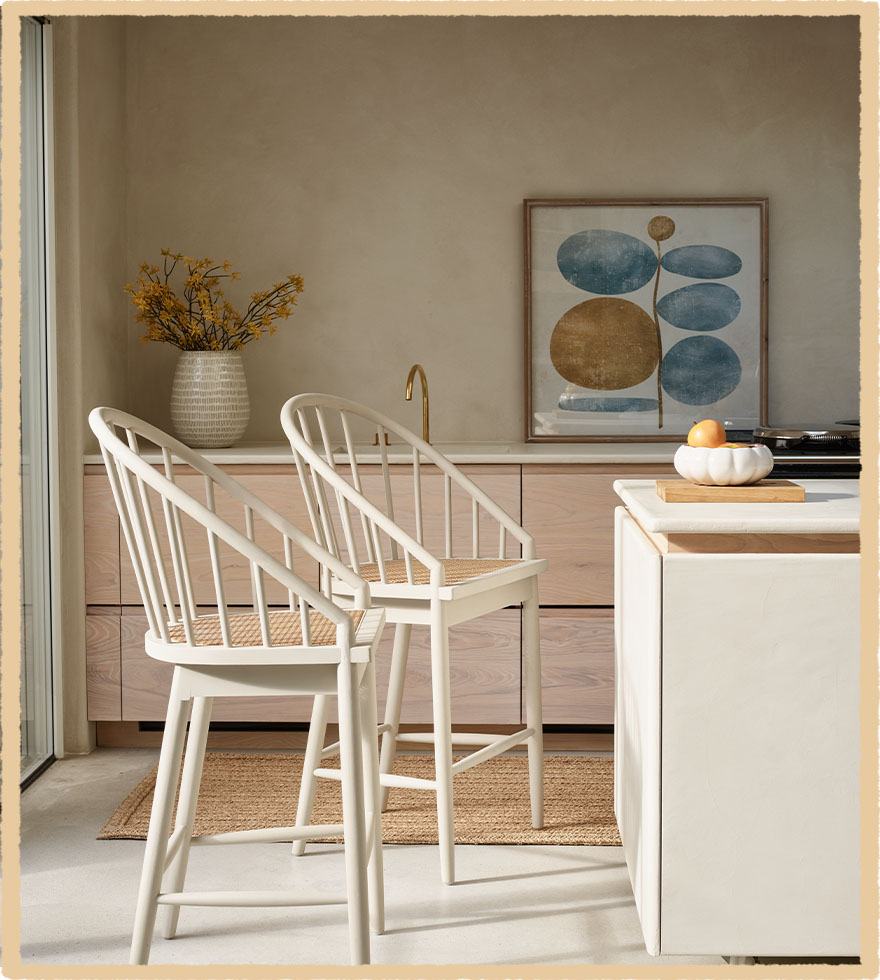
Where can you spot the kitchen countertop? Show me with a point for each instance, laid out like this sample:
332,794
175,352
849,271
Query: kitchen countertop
831,507
460,453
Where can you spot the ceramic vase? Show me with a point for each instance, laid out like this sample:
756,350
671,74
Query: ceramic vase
210,407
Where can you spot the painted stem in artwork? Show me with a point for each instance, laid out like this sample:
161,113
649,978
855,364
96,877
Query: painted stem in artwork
659,343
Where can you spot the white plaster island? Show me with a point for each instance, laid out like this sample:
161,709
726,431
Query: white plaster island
831,507
736,721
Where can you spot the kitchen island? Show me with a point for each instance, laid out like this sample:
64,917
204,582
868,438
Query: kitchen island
737,720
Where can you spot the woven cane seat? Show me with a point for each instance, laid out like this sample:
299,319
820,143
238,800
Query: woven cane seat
455,570
285,629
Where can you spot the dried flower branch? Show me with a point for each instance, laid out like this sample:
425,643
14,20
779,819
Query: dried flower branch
200,317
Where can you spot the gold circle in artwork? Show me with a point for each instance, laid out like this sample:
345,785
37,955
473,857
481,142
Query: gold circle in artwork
606,343
661,228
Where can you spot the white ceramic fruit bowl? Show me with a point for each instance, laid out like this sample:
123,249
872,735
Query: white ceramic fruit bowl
724,466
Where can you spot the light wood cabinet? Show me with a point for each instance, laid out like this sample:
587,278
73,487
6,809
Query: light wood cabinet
568,508
147,682
485,669
101,536
103,664
570,512
485,660
577,653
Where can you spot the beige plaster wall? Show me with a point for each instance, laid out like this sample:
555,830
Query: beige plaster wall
91,312
385,159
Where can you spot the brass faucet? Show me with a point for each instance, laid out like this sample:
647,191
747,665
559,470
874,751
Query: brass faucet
426,405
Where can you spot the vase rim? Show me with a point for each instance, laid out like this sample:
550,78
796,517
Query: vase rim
236,352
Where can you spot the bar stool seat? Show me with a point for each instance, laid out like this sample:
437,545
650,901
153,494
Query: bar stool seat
456,571
244,629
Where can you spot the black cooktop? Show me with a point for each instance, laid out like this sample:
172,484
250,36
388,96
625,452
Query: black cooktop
809,460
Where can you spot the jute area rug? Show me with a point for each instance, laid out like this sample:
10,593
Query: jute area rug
244,792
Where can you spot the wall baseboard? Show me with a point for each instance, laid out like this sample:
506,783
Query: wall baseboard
130,734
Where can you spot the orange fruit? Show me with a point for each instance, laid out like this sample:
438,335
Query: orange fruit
734,445
709,433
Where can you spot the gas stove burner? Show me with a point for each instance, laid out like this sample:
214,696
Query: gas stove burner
814,440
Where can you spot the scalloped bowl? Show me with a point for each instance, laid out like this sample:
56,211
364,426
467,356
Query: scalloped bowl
723,466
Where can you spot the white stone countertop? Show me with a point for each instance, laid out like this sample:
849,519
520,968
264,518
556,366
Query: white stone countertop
831,507
461,453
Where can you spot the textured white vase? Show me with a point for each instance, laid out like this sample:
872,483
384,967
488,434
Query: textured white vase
210,407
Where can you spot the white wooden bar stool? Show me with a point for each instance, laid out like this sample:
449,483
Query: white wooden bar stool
415,587
312,647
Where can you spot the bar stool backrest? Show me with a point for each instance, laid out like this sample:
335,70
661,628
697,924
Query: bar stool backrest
365,520
157,514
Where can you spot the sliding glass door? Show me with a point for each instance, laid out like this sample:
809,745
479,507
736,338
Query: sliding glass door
36,612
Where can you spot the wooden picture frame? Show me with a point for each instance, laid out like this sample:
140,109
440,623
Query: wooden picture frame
593,299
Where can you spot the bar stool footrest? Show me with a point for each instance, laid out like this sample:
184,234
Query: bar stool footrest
247,899
490,751
270,835
333,747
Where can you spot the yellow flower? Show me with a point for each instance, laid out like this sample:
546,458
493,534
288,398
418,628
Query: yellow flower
213,323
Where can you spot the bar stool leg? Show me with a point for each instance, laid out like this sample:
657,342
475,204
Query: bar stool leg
186,806
440,690
534,716
396,681
353,814
370,750
311,761
160,823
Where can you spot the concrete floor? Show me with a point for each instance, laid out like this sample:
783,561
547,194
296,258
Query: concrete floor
512,905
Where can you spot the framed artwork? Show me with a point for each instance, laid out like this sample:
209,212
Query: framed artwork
643,316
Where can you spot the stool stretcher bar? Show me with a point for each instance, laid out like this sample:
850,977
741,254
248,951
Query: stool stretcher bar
492,745
261,899
267,835
333,747
490,751
458,738
385,779
271,835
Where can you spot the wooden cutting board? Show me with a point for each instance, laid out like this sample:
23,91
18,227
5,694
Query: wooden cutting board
764,492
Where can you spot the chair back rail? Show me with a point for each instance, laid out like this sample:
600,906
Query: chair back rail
357,526
152,507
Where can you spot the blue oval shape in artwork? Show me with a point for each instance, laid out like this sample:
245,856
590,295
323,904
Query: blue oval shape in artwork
606,262
700,371
702,262
700,306
600,403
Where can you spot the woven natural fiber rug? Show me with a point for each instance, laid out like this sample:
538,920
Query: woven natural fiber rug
244,792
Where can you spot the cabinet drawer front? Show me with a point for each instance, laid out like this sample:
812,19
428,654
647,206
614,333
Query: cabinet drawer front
146,683
577,669
500,483
485,668
280,491
485,659
101,541
570,513
103,668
